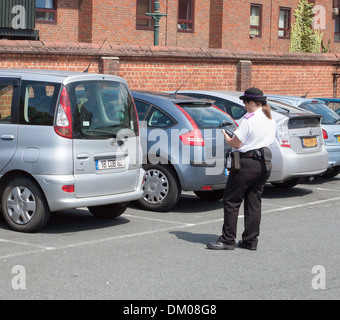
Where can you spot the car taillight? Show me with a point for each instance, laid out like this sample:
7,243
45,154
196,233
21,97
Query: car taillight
68,188
63,122
325,135
193,137
283,134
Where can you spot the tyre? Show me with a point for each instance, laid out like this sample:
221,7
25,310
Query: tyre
109,211
161,188
287,184
331,173
24,205
213,195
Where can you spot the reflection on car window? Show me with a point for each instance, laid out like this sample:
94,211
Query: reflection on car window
6,94
100,109
328,115
159,119
207,116
142,108
236,111
38,102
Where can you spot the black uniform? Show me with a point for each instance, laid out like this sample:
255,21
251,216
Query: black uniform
247,179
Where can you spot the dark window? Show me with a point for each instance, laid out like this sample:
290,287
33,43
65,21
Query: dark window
159,119
37,103
206,116
284,23
142,20
337,29
186,15
46,11
255,20
155,118
235,110
6,94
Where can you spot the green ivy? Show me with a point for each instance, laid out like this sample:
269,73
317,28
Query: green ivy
304,38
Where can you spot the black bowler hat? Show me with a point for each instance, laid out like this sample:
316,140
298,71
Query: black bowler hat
253,94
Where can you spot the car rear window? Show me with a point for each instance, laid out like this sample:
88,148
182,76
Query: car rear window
302,122
206,116
100,109
328,115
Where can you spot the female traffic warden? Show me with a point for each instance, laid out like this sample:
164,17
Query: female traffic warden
250,170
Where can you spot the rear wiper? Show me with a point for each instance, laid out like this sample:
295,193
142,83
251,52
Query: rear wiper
224,123
337,121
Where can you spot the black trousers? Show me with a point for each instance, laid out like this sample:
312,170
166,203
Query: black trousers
244,185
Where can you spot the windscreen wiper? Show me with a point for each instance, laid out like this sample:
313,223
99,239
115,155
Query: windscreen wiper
224,123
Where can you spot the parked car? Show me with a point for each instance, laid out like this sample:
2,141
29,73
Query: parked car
183,148
298,150
62,148
330,123
332,103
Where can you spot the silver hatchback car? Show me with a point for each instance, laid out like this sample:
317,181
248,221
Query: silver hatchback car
298,151
330,124
67,140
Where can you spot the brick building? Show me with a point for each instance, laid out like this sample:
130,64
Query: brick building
230,44
227,24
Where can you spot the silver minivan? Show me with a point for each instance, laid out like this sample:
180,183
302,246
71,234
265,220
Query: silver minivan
67,140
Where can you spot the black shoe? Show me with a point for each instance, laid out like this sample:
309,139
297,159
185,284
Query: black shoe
244,245
217,245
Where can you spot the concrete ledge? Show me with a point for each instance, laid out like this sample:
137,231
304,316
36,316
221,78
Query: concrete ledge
89,49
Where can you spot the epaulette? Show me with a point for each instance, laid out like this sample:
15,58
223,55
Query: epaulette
248,115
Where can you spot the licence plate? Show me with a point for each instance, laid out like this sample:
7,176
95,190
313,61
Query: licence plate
309,142
338,138
109,164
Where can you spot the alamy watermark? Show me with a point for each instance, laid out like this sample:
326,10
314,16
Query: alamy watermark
319,280
19,18
319,21
19,280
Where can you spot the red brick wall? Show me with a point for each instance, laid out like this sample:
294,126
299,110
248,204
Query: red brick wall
294,79
218,24
236,25
166,68
67,23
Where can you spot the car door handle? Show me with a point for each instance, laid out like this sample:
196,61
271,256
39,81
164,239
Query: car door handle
82,156
7,137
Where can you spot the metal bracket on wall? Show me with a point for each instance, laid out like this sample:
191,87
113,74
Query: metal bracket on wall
335,78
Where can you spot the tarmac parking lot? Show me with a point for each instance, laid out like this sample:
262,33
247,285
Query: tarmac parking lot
148,255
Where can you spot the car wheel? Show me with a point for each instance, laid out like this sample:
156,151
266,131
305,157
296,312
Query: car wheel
214,195
161,188
331,173
24,205
109,211
287,184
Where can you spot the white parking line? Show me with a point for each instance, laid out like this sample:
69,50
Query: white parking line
138,234
325,189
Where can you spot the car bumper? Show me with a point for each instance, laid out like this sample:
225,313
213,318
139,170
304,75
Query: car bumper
333,155
195,177
59,200
289,164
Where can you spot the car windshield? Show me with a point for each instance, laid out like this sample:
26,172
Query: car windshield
328,115
206,116
100,109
